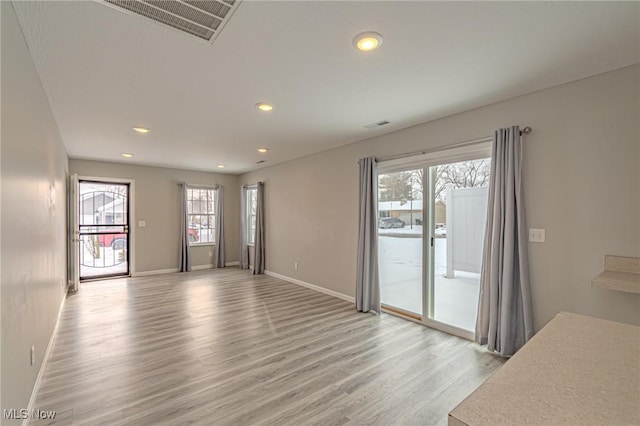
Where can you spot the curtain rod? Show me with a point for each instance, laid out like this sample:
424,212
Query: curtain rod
252,185
524,131
197,186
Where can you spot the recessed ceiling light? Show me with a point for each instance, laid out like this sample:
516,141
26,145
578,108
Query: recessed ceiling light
127,155
367,41
221,166
141,130
263,106
262,150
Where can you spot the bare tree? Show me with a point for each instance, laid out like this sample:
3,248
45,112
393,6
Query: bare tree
465,174
418,182
395,186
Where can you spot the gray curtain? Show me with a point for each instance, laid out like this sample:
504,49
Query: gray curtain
367,280
218,254
258,255
184,264
505,322
244,246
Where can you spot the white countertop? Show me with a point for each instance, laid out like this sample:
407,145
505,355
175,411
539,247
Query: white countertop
577,370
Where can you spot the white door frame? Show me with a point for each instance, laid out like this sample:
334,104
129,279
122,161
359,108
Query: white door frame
73,238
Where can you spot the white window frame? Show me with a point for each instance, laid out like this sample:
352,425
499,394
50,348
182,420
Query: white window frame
210,223
250,213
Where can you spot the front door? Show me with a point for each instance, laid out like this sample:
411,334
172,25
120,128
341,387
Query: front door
103,218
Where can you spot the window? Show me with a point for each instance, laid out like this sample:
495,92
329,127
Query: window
252,204
201,215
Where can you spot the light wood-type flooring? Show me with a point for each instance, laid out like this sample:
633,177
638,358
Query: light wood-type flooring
224,347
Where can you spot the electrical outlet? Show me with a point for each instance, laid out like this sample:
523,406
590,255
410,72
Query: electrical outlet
210,253
142,224
536,235
33,355
295,265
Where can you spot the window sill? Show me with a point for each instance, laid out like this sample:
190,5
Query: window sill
201,244
251,245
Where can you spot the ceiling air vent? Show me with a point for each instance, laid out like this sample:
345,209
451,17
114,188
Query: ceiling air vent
376,125
201,18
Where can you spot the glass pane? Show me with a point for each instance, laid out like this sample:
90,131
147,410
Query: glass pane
119,204
251,229
400,240
194,235
211,206
252,199
460,193
104,254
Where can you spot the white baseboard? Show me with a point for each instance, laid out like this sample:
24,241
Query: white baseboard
311,286
43,365
174,270
156,272
201,267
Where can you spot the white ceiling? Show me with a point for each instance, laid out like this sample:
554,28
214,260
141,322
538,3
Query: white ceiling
106,71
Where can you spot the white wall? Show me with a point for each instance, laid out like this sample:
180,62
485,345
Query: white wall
157,202
582,177
34,167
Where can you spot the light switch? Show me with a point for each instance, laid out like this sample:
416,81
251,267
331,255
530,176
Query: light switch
142,223
536,235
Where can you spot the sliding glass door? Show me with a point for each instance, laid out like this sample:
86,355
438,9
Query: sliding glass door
432,215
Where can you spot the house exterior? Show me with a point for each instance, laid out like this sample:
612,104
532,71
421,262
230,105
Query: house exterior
92,206
411,211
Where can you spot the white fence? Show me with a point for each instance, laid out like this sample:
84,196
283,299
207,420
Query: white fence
466,219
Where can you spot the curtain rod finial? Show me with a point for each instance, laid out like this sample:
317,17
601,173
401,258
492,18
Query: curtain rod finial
526,130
